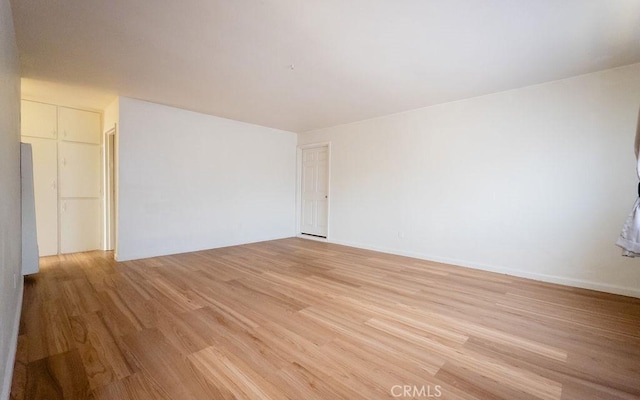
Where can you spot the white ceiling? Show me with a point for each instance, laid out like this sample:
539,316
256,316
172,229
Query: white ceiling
352,59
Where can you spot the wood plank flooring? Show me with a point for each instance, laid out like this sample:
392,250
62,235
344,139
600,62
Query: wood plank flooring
300,319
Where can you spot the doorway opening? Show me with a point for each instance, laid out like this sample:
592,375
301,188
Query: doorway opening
110,204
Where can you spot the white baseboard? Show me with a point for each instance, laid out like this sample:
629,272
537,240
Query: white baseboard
579,283
13,347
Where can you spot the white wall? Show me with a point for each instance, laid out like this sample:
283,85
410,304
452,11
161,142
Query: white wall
111,115
10,229
190,181
534,182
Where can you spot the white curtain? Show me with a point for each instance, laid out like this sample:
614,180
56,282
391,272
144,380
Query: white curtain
629,238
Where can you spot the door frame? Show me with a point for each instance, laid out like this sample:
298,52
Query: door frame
110,190
299,189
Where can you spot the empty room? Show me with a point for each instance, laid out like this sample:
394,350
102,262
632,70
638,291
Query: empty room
356,199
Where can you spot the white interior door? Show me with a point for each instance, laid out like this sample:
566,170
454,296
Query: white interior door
79,225
80,210
80,169
315,191
45,182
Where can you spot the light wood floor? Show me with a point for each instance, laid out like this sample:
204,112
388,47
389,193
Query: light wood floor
300,319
